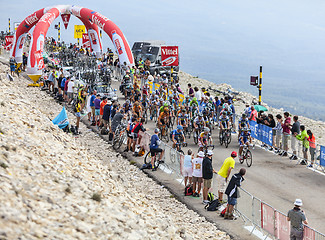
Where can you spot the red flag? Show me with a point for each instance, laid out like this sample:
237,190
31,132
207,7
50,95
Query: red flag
65,19
39,59
169,56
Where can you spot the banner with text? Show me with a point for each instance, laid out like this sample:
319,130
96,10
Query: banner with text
65,19
85,40
261,132
322,156
79,30
169,56
9,41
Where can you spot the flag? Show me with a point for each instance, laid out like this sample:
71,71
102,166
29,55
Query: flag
62,119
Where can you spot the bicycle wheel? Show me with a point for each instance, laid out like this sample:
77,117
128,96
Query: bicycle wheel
229,137
249,158
241,159
226,141
116,140
195,137
122,138
220,138
147,158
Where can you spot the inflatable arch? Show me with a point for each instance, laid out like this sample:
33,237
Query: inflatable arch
44,17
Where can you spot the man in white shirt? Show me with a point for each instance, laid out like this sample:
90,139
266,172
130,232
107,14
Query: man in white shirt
197,94
197,174
70,90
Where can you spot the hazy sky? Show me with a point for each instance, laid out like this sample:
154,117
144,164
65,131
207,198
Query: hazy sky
223,40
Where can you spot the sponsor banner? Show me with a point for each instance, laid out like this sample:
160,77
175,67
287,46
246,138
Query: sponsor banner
16,25
283,226
39,59
9,41
268,218
169,56
79,30
65,19
85,40
322,156
261,132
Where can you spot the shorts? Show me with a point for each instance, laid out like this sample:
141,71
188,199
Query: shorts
92,109
304,149
134,135
155,150
78,114
197,179
221,184
62,88
232,201
70,95
207,183
187,172
12,68
97,112
285,138
105,122
294,143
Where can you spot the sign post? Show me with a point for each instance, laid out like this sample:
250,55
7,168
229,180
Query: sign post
9,24
254,82
78,31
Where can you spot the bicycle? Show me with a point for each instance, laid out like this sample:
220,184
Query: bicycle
225,137
120,136
164,136
196,134
246,155
175,152
147,159
206,148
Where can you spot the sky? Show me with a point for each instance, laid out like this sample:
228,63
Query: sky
223,41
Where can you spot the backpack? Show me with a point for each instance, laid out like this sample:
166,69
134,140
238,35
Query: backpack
188,191
212,206
134,127
223,212
210,197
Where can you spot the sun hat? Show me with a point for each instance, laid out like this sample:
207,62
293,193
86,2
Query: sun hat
200,154
210,153
298,202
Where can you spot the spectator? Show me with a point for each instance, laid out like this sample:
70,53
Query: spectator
66,89
253,115
278,133
197,94
131,124
12,63
303,136
207,174
197,174
70,90
92,106
296,217
51,80
232,192
78,115
24,61
137,128
190,90
312,147
116,120
107,113
97,108
62,84
285,134
224,173
294,131
188,167
101,110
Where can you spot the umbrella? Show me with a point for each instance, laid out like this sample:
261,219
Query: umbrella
260,108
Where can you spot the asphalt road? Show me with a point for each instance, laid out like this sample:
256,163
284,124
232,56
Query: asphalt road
273,179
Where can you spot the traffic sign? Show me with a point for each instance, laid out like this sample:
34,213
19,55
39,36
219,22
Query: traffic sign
79,30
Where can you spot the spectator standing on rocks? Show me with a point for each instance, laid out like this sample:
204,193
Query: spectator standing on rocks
101,110
312,147
190,90
188,167
253,115
197,94
24,61
12,63
207,174
106,114
303,136
66,89
295,129
286,134
224,173
232,192
297,217
197,174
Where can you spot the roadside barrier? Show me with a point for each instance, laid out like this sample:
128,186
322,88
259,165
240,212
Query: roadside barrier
268,220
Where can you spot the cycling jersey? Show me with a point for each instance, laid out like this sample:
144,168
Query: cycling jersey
223,119
183,117
204,137
199,121
244,136
243,120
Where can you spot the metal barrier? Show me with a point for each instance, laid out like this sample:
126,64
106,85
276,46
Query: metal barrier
271,222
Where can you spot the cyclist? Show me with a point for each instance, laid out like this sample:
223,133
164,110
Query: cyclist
177,135
244,139
194,106
182,119
223,121
204,138
137,109
199,122
127,106
186,102
243,123
154,148
163,120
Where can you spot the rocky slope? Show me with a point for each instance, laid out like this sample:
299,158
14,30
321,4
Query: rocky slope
55,186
